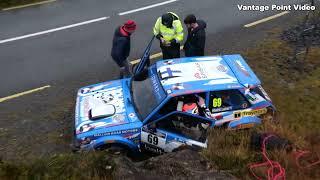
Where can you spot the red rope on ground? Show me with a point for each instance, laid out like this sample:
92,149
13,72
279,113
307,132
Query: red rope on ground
299,154
275,171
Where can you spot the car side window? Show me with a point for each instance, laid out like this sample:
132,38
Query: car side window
227,100
185,125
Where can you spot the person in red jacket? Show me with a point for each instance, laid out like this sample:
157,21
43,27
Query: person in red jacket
121,46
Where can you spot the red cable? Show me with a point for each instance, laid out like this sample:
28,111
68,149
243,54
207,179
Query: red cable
275,170
299,154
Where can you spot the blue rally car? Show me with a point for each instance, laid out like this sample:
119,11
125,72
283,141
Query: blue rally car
153,113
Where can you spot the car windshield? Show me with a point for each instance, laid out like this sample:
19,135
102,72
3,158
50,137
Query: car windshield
147,94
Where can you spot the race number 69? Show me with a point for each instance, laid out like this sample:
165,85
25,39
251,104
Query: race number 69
217,102
153,139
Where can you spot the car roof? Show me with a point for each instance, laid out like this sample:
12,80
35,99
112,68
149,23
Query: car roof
202,74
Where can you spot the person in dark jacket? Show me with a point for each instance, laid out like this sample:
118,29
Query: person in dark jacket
195,43
121,46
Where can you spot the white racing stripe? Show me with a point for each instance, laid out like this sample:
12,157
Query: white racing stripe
147,7
53,30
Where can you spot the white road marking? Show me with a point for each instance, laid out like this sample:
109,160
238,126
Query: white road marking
147,7
266,19
23,93
53,30
28,5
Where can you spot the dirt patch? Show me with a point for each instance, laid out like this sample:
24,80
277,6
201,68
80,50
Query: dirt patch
102,165
178,165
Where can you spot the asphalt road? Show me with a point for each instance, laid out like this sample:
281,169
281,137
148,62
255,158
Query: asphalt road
57,56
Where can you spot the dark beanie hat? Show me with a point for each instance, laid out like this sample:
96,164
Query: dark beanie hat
129,26
190,19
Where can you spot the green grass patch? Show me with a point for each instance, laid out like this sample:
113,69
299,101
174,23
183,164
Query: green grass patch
89,165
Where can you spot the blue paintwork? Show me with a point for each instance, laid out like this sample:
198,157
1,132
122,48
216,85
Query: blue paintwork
241,69
244,120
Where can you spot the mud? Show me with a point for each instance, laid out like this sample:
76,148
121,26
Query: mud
178,165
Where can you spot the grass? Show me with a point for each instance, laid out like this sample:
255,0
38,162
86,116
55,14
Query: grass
11,3
295,94
93,165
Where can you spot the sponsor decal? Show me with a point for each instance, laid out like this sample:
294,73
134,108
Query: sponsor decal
214,110
106,98
89,127
241,68
201,73
245,126
156,86
233,86
153,148
86,128
117,132
93,88
159,94
77,115
131,135
250,113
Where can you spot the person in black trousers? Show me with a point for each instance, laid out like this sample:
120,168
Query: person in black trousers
121,46
196,39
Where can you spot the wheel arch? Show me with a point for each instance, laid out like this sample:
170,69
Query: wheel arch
116,141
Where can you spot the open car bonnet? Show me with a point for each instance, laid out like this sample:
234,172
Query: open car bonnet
100,106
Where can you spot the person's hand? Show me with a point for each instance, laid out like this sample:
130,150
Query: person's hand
162,41
173,42
159,36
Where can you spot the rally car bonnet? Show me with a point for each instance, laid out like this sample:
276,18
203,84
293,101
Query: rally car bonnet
102,105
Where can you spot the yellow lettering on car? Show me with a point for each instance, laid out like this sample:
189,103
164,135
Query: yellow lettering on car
250,113
217,102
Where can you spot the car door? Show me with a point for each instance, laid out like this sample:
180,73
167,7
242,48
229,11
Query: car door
175,130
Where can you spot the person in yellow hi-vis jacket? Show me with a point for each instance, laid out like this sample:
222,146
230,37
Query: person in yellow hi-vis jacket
169,31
